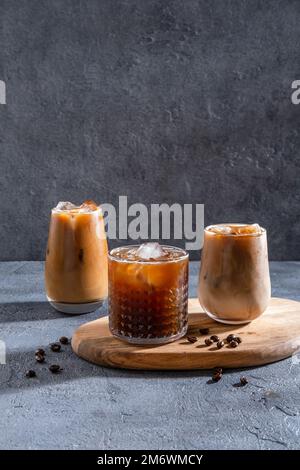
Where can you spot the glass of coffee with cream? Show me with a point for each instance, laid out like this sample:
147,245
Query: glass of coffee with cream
76,260
234,282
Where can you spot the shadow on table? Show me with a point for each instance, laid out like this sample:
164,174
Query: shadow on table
34,311
27,311
13,378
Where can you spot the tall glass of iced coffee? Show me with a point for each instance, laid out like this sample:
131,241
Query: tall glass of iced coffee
76,259
234,282
148,293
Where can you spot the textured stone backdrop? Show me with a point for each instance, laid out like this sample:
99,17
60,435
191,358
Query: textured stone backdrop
161,100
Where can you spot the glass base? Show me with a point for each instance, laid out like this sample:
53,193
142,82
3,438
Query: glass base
226,322
151,341
76,309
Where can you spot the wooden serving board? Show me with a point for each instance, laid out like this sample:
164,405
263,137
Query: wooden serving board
273,336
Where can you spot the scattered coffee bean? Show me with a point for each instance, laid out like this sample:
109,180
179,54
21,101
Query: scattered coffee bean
230,338
192,339
55,347
55,368
238,339
243,380
40,358
204,331
233,344
208,342
30,374
215,338
40,351
217,376
220,344
64,340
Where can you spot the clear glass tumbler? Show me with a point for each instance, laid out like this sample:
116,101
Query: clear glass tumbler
148,297
234,281
76,260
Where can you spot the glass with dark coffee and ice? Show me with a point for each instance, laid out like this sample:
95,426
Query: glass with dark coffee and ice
148,293
76,259
234,282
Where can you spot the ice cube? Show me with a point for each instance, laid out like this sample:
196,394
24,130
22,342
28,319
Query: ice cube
88,206
255,228
150,251
249,229
65,206
221,229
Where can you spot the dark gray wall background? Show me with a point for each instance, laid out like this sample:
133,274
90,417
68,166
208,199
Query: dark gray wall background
161,100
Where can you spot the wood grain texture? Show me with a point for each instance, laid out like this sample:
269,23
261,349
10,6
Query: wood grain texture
273,336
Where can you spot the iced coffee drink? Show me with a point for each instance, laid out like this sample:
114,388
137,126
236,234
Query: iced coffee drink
234,282
76,258
148,293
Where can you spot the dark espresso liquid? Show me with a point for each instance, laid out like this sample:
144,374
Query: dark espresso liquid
148,299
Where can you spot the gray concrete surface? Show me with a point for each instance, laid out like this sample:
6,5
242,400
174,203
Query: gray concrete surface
89,407
160,100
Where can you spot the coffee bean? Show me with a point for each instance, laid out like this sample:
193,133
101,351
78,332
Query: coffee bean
208,342
39,358
215,338
64,340
217,376
220,344
55,368
204,331
243,380
192,339
40,351
230,338
30,374
238,339
233,344
55,347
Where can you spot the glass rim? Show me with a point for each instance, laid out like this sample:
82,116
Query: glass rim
208,227
75,211
111,255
